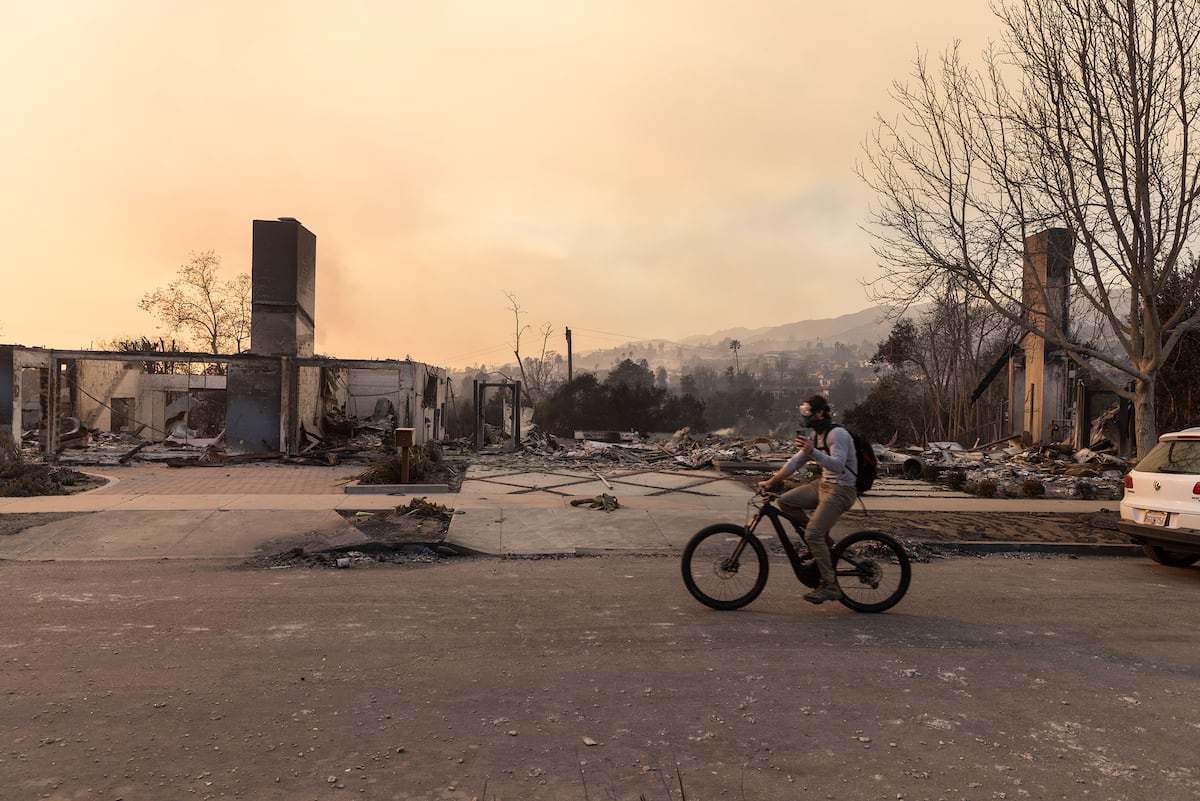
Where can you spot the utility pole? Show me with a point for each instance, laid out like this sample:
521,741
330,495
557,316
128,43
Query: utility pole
570,373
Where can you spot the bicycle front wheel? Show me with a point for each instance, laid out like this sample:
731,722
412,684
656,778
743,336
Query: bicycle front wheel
873,571
724,567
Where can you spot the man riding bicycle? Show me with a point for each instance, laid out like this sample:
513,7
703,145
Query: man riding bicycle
830,494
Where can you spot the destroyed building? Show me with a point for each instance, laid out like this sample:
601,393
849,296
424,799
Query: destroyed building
279,396
1050,400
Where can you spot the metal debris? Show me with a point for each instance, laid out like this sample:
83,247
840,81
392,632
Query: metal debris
604,501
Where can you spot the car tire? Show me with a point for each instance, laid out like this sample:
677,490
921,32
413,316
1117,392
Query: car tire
1170,558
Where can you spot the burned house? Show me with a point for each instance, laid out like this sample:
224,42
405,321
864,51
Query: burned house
1050,400
277,397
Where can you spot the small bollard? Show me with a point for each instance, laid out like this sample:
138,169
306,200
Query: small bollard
405,437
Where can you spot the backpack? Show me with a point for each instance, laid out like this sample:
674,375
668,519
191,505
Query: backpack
868,465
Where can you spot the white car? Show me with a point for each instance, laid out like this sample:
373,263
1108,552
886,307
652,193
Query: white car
1161,507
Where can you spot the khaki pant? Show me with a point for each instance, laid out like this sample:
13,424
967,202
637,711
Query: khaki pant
830,501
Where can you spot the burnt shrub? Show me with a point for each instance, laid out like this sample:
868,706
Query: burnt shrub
985,488
1032,488
21,479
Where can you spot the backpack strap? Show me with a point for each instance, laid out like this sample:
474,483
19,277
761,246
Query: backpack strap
853,449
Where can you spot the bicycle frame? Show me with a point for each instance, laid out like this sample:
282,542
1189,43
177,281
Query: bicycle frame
806,572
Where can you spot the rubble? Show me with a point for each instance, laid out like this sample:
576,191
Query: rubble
363,440
1004,467
1012,470
1016,471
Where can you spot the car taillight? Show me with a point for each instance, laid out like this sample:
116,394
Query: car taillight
1196,489
1129,481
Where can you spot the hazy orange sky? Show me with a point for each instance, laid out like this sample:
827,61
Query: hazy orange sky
631,169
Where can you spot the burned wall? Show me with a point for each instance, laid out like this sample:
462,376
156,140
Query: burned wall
414,394
25,377
252,412
166,404
97,383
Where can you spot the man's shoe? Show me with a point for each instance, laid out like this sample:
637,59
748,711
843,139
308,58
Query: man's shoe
823,593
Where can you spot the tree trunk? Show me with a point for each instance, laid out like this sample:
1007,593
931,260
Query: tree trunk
1144,425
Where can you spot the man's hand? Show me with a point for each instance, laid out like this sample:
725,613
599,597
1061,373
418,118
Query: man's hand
764,486
804,444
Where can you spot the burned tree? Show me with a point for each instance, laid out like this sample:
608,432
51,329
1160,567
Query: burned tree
214,313
1084,118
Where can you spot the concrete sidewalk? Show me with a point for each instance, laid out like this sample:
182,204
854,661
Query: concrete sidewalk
511,512
236,511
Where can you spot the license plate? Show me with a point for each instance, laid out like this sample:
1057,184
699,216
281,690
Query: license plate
1155,517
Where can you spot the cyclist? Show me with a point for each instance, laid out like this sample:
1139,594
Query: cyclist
830,494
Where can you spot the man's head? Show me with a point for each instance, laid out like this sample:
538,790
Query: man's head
814,411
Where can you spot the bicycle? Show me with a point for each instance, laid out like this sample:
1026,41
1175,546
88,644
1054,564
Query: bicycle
725,565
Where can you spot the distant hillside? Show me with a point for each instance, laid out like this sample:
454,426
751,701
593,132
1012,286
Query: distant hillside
869,325
858,334
850,339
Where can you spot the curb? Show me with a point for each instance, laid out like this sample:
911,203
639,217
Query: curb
1066,548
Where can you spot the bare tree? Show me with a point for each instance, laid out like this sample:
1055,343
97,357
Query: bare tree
540,371
947,350
537,373
214,313
1098,135
518,330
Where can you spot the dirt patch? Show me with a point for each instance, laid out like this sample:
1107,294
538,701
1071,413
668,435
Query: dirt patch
1096,528
16,522
1055,528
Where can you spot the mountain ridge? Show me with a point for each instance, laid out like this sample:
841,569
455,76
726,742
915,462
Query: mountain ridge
870,323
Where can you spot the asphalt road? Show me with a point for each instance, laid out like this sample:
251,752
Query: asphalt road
595,678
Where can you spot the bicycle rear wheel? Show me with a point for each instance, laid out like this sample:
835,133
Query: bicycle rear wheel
873,571
723,567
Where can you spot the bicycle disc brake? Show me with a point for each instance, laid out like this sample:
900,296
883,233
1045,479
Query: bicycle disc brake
869,572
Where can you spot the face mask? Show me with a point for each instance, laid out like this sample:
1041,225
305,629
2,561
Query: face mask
806,418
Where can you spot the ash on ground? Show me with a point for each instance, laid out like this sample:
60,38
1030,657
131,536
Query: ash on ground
412,533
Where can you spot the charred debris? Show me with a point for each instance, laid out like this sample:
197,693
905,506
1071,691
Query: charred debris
1005,468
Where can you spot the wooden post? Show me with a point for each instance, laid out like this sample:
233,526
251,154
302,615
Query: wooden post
404,441
570,370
